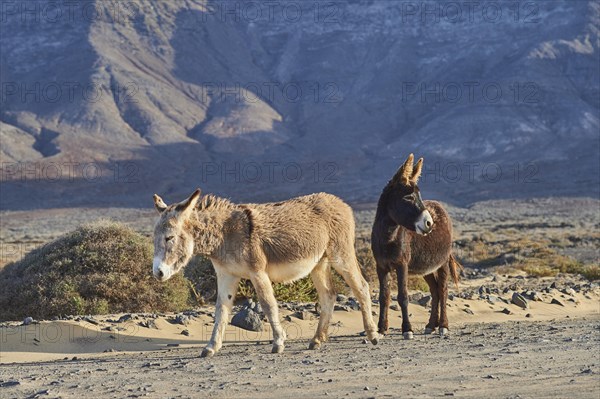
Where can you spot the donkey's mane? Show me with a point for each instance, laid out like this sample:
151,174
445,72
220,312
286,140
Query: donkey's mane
212,202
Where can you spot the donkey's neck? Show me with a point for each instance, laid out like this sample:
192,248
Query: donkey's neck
207,223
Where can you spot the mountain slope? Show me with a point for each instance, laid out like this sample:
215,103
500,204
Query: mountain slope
260,102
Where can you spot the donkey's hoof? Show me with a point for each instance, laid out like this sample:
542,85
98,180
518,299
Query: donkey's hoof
408,335
429,330
443,331
314,345
207,352
277,348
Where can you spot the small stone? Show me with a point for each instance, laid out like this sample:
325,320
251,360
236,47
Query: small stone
27,321
519,300
124,318
186,333
395,307
425,301
341,307
468,311
568,291
182,319
341,298
506,311
415,297
365,388
556,302
6,384
247,319
303,315
91,320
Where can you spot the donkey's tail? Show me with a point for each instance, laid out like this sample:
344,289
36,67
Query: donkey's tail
455,269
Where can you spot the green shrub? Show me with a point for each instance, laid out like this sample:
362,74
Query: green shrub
104,267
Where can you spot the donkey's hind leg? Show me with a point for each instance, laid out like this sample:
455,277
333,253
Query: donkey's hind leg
434,318
442,279
348,267
264,291
321,277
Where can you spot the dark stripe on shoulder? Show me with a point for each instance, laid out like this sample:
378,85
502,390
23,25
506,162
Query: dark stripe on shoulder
248,213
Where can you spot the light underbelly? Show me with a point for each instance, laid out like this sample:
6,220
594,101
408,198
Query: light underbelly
287,272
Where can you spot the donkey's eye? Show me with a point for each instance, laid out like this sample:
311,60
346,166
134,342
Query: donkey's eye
169,238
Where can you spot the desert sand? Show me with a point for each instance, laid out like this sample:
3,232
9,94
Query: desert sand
547,350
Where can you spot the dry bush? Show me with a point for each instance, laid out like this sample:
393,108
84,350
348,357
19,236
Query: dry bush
104,267
538,257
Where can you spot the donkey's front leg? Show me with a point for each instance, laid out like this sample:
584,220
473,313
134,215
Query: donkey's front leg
384,297
264,291
402,274
227,289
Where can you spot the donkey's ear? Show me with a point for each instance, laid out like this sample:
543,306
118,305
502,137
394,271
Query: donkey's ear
189,203
159,204
416,173
405,172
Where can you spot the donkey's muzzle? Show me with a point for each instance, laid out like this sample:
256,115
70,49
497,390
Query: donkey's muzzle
424,223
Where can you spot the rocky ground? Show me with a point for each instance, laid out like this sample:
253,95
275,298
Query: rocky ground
557,358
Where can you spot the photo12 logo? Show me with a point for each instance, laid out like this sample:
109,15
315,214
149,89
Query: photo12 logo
470,92
66,92
268,172
90,172
472,172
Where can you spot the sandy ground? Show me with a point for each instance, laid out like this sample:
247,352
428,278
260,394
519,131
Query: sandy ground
555,352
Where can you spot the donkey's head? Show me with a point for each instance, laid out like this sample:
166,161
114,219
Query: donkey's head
173,240
406,207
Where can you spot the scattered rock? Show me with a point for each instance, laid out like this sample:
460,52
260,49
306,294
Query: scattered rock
529,315
519,300
341,307
395,307
27,321
353,304
568,291
124,318
341,298
506,311
182,319
556,302
186,333
415,297
247,319
91,320
303,315
149,324
425,301
468,311
6,384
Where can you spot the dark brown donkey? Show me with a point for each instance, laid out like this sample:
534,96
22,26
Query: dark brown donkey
414,237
